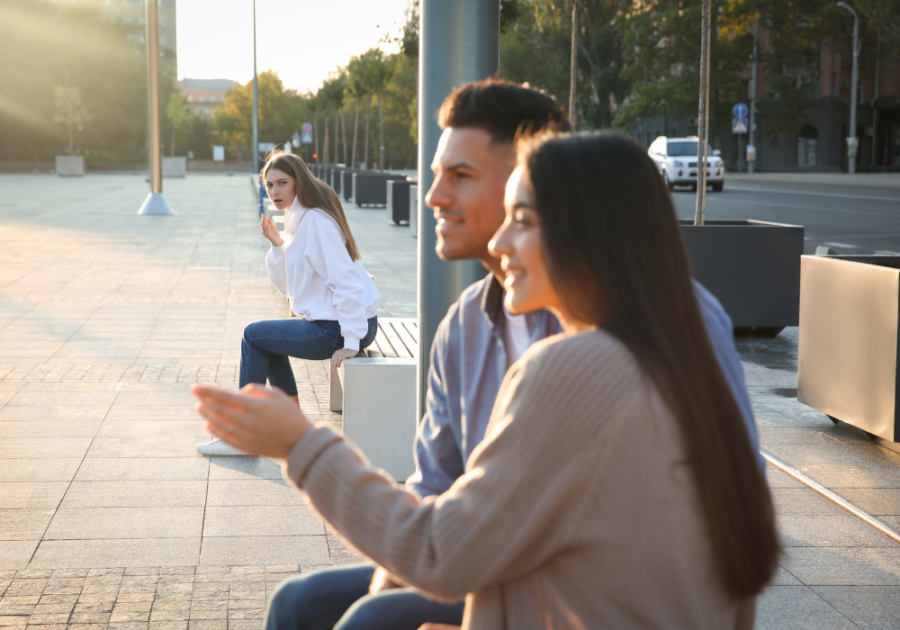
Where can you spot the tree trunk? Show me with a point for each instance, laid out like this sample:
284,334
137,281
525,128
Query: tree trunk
71,142
173,142
316,137
703,116
366,151
336,160
325,155
355,134
380,133
347,163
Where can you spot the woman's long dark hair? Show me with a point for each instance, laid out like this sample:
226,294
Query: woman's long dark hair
617,258
313,193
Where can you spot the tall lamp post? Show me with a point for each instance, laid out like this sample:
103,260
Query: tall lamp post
254,150
703,117
852,142
155,203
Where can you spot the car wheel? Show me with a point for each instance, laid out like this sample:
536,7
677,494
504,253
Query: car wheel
718,186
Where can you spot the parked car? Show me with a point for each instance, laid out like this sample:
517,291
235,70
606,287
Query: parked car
676,159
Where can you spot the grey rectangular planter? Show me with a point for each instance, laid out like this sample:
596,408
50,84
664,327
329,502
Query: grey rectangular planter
70,165
347,184
752,267
398,201
337,176
370,189
848,347
414,209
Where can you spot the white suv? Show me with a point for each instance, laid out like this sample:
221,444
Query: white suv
676,159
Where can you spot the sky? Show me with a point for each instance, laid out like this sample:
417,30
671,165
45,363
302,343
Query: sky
303,40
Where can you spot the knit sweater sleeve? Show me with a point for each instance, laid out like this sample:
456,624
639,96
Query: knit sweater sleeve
523,486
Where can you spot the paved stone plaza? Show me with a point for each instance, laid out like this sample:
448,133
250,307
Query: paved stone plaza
110,519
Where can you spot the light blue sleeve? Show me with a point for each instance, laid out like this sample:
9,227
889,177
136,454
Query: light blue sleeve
721,335
439,461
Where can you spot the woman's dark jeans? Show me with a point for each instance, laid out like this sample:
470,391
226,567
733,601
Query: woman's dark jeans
267,345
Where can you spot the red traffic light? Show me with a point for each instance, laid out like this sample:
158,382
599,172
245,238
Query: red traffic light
315,157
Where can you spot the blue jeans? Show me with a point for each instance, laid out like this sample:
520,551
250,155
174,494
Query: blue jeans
339,598
267,345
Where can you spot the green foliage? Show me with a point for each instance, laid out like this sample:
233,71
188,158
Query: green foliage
70,111
662,38
790,54
281,112
535,47
44,44
883,14
177,112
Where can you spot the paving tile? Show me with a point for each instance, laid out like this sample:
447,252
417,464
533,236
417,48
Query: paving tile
105,523
86,494
38,469
191,468
43,447
110,553
153,399
63,399
844,566
252,492
264,549
24,524
16,554
870,607
32,495
159,445
293,520
243,468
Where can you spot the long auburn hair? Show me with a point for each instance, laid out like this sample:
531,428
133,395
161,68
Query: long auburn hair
313,193
617,258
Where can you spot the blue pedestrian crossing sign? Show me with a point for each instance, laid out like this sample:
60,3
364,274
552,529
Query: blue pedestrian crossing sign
306,138
740,111
739,126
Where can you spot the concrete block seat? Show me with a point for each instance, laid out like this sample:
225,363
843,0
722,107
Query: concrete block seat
376,391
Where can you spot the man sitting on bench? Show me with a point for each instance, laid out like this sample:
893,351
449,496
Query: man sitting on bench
473,347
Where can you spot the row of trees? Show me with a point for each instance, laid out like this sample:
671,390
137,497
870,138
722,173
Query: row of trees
72,79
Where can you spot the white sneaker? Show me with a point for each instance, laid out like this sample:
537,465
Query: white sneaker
218,447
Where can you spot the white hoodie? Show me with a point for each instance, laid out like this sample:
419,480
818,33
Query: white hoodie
313,269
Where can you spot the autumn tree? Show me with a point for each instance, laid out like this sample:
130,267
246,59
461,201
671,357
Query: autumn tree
70,111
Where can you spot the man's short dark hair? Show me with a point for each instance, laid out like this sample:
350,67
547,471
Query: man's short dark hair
503,109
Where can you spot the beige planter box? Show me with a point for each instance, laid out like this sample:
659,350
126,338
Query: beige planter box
70,165
847,365
174,167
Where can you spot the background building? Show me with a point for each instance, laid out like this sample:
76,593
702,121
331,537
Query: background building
205,95
131,13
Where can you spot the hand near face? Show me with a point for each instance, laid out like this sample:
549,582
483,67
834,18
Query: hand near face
257,420
269,231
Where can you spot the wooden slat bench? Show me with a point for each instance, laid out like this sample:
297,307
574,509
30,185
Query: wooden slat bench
376,391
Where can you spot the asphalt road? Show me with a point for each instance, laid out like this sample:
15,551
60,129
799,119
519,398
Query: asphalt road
848,220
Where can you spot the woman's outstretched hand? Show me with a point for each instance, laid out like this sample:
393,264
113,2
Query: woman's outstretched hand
257,420
338,357
268,229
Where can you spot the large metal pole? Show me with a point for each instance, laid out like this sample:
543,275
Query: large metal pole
703,117
753,90
254,123
459,41
573,69
854,77
155,203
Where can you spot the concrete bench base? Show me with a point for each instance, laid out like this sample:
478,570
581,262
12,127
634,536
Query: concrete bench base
376,392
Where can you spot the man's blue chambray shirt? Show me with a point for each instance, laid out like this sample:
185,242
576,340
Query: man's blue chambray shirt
468,363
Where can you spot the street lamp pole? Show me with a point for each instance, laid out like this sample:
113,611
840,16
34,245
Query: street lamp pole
852,146
254,149
155,203
573,70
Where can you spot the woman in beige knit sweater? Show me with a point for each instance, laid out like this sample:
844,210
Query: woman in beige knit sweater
616,487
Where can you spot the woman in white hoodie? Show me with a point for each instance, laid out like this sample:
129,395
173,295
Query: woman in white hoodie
315,263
